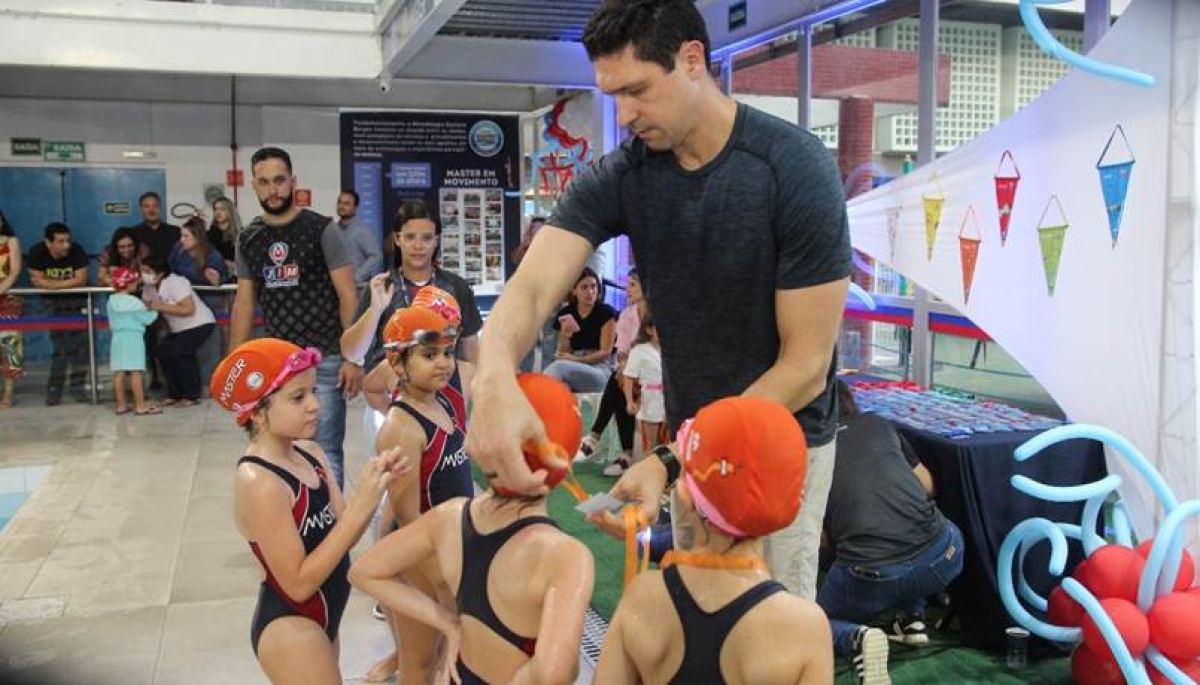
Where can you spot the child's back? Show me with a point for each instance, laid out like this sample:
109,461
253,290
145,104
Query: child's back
741,629
127,321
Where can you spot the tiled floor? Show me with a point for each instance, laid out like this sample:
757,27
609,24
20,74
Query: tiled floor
124,566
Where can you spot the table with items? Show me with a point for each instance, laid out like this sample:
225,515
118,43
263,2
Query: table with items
967,445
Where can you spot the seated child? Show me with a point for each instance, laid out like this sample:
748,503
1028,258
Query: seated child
713,615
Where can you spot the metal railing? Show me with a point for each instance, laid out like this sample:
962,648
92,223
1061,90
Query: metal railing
90,312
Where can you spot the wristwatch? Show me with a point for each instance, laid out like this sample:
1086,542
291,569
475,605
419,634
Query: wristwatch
667,456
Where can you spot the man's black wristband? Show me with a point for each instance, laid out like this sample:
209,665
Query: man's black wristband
670,461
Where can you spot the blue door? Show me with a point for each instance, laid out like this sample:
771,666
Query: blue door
99,201
30,198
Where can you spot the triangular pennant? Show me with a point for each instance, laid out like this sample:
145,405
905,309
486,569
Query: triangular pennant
1006,192
969,239
1115,171
933,216
1051,235
893,229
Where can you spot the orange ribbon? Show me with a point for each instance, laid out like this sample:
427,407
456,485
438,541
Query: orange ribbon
713,560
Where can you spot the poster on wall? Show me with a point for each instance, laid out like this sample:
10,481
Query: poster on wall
466,167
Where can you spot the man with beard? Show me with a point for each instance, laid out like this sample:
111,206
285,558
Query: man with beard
159,237
294,264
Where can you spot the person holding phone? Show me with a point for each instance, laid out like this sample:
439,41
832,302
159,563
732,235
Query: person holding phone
586,329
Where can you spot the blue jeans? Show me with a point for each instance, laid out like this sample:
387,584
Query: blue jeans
331,427
855,595
579,377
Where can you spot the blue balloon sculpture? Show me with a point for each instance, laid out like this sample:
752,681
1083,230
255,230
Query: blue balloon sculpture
1047,42
1160,571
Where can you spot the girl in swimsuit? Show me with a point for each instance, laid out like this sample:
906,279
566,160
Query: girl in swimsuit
289,508
426,417
520,585
714,615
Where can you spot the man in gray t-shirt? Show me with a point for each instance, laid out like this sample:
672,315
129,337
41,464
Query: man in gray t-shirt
361,239
738,227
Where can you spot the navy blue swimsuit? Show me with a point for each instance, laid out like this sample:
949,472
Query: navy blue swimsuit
312,511
478,552
704,633
445,469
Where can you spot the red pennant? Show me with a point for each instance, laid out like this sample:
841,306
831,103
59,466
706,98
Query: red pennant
1006,193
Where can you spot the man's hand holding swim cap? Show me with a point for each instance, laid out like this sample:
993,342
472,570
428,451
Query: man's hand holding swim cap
643,484
502,421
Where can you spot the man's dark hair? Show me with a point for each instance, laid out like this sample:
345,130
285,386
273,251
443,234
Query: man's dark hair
265,153
352,194
149,193
56,228
655,29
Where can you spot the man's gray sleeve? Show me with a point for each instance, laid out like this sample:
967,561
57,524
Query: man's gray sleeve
240,267
810,218
591,205
373,261
333,246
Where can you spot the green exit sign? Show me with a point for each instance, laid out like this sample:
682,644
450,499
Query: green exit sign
64,151
26,147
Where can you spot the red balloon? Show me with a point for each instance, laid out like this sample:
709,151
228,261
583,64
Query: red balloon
1087,668
1194,591
1175,625
1131,623
1190,668
1080,573
1187,565
1114,571
1062,610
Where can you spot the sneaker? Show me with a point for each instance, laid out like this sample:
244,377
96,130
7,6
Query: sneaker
377,612
589,448
617,468
871,657
909,630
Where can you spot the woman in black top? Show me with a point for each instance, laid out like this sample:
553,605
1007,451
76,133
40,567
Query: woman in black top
587,328
225,228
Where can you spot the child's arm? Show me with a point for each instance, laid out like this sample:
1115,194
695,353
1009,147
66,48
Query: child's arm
145,316
556,657
263,507
379,571
403,432
631,373
377,386
616,666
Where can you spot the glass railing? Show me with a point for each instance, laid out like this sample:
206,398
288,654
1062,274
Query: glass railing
964,359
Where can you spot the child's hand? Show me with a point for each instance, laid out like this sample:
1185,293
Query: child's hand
377,474
446,668
631,408
394,462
